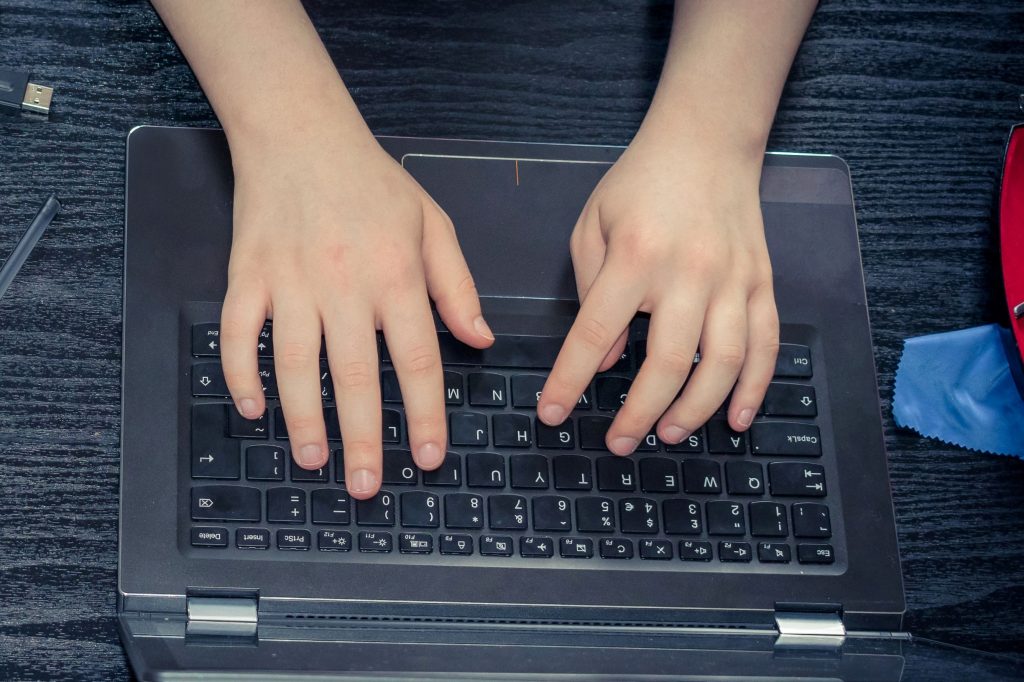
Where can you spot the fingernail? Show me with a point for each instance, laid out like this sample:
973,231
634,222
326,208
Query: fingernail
482,329
309,455
675,434
552,415
746,416
429,456
361,481
623,445
248,406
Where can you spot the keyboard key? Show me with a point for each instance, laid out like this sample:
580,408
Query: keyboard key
744,478
526,389
785,438
576,548
330,506
701,476
467,428
240,427
496,545
268,378
682,517
453,388
508,350
264,463
265,342
379,510
793,361
773,553
811,520
726,518
420,510
616,473
280,427
595,515
572,472
512,431
296,539
332,424
655,549
225,503
694,443
592,432
815,554
252,538
390,391
205,536
723,440
638,515
790,400
208,380
507,512
300,475
734,551
375,541
334,541
615,548
584,402
286,505
486,390
456,544
649,443
797,479
391,425
768,519
659,475
556,437
552,512
399,469
213,454
611,392
415,543
448,474
485,470
529,471
694,550
536,547
462,510
206,339
339,466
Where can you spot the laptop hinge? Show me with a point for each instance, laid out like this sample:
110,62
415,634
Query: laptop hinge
222,616
809,630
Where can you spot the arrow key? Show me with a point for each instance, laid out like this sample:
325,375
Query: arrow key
208,380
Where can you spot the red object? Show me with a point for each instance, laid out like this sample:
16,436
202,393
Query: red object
1011,230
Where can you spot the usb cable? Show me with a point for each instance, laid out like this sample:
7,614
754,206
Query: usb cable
16,91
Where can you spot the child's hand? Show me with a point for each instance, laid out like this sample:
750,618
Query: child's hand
679,236
332,236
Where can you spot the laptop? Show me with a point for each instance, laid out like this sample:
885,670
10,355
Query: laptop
533,552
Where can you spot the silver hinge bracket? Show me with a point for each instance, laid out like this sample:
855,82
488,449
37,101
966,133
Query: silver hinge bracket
809,630
227,616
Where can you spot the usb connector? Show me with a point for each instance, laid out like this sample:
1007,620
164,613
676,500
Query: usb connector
16,91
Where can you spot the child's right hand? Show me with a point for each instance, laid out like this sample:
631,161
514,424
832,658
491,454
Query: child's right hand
333,237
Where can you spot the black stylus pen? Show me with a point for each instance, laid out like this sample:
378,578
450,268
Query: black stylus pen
51,207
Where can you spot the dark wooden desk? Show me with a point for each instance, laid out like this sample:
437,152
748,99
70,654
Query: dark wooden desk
917,99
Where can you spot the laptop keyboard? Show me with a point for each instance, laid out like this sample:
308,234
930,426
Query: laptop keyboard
512,489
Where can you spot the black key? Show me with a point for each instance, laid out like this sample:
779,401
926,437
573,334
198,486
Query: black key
572,472
265,342
773,553
208,380
240,427
768,519
512,431
744,478
797,479
334,541
448,474
655,549
615,548
815,554
375,541
623,363
811,520
390,391
785,438
536,547
252,538
485,470
559,437
611,392
326,385
790,400
659,475
399,469
692,443
507,512
701,476
526,389
379,510
206,339
682,517
300,475
420,510
496,545
467,428
268,378
529,471
584,402
616,473
213,455
486,390
415,543
225,503
456,544
638,515
508,350
205,536
330,506
332,424
793,361
694,550
576,548
723,440
462,510
726,518
453,388
286,505
339,466
734,551
391,423
648,443
595,515
293,539
280,427
264,463
592,432
551,512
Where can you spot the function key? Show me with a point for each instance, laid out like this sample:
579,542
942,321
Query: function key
536,547
576,548
793,361
375,541
790,400
655,549
252,538
415,543
205,536
456,544
448,474
225,503
526,389
208,380
467,428
496,545
773,553
811,521
293,539
695,550
785,438
815,554
529,471
701,476
797,479
615,548
453,388
206,339
286,505
723,440
611,392
734,551
486,390
330,506
334,541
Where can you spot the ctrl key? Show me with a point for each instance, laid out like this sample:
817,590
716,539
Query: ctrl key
203,536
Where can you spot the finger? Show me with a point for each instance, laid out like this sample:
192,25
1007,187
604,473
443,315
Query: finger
352,355
412,342
297,364
588,250
759,367
615,354
671,344
450,283
723,348
241,321
610,305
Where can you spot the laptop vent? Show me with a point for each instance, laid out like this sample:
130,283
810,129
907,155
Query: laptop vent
512,621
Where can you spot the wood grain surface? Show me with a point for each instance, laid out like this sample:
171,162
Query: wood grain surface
917,96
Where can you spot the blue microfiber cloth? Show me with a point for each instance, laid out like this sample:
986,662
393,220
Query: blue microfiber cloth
964,387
